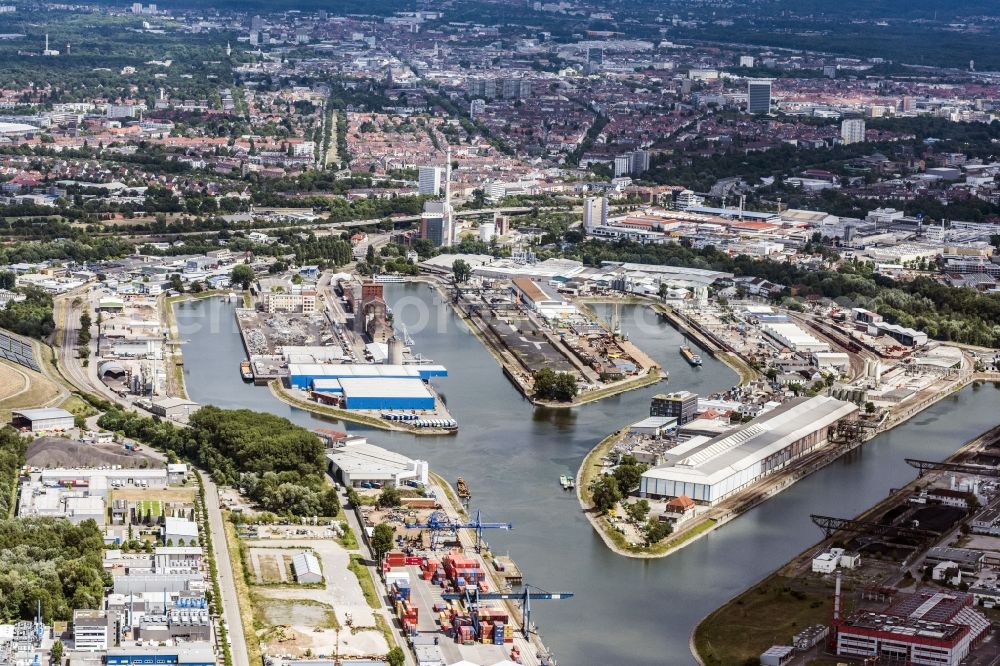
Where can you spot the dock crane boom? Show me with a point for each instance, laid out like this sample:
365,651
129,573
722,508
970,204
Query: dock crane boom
472,598
439,520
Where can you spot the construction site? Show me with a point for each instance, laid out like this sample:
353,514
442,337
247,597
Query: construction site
528,326
305,601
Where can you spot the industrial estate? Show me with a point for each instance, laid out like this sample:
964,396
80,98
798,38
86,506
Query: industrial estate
498,333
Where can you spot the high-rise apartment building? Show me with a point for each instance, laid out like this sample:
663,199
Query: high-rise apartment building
852,130
429,180
595,212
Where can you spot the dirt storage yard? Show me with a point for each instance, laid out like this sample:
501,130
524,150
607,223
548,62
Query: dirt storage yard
61,452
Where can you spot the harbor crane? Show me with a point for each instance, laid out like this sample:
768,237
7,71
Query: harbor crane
440,521
472,598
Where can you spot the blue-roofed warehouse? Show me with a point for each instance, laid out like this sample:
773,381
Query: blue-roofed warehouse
302,376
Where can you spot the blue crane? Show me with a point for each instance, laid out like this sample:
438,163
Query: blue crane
472,598
439,520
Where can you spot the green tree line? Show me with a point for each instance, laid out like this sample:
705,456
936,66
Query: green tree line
278,464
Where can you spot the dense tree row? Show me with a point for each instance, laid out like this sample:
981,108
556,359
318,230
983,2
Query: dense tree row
12,449
50,561
44,560
280,465
31,317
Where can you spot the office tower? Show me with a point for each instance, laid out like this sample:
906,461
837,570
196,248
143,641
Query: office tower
256,23
432,225
759,96
595,59
746,61
681,405
595,213
852,130
476,108
429,179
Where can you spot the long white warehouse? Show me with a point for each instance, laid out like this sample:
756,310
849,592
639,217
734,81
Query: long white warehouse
793,337
709,470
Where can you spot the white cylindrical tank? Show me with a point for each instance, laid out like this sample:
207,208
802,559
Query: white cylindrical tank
395,353
487,230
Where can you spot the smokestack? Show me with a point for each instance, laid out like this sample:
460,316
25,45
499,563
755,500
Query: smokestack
449,222
836,600
447,178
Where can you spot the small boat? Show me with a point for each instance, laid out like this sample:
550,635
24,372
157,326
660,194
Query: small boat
463,489
245,372
689,356
567,482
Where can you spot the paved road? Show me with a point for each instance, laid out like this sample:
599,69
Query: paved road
84,379
383,593
224,566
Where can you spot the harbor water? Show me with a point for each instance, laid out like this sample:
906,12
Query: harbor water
512,454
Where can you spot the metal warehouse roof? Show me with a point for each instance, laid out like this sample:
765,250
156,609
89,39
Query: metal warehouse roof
361,457
305,563
352,370
722,456
16,128
327,385
43,413
384,387
793,334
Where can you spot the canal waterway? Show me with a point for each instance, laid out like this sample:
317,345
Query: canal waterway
625,611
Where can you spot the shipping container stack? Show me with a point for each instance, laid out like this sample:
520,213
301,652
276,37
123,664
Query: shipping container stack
398,583
462,571
454,573
429,568
393,559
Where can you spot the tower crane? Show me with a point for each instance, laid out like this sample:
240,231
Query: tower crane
439,520
472,598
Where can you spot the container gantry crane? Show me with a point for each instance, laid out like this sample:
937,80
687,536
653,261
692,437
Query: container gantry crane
439,520
473,597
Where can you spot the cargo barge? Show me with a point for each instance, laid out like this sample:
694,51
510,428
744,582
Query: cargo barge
245,372
463,489
693,359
